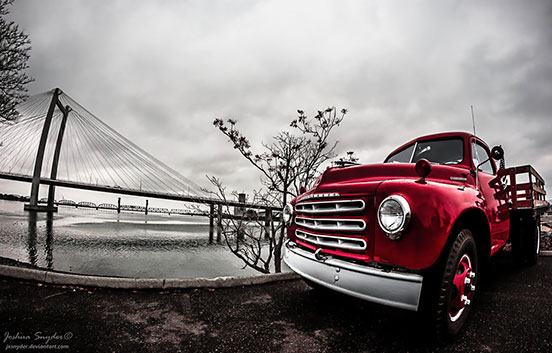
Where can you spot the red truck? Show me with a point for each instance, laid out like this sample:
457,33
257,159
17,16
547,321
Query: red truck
415,231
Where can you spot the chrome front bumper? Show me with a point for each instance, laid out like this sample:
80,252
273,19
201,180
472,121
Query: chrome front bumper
401,290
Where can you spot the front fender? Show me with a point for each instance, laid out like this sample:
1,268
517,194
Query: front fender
435,208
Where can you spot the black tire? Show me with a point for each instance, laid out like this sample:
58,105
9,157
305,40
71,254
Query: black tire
449,310
526,243
533,244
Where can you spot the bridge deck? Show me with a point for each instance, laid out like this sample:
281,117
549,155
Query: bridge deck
118,190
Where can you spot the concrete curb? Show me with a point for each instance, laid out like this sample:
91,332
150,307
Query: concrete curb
52,277
60,278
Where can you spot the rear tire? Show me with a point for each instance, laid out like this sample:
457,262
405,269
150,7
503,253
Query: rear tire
526,243
451,288
533,243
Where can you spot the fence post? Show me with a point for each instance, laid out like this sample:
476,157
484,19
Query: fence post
211,221
219,223
240,210
268,218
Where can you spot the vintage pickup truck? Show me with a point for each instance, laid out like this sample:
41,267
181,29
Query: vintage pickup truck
414,231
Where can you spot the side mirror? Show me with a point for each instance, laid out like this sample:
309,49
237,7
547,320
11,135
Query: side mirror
497,153
302,189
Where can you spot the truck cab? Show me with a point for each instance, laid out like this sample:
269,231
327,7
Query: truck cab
413,231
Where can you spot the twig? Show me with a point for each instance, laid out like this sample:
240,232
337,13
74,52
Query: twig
53,295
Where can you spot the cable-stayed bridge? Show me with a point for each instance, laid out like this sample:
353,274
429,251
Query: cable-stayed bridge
57,142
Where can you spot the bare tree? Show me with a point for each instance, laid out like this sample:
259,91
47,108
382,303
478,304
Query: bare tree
347,160
290,162
15,49
245,234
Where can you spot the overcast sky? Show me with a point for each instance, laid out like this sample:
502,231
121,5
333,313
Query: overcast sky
160,72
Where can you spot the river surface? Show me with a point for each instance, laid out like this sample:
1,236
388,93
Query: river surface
87,241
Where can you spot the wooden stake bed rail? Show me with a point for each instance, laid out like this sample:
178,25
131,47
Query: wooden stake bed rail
529,195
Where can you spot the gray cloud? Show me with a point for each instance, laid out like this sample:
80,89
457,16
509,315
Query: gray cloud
161,72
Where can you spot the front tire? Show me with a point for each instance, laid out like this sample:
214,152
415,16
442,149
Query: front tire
455,287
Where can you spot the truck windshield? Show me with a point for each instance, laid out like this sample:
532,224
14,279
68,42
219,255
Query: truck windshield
448,151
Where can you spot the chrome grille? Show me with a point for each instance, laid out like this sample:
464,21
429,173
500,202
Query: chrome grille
332,224
332,241
330,206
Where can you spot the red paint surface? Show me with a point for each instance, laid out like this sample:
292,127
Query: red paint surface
436,203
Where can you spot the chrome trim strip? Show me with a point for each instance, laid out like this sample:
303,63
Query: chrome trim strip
333,224
397,289
458,178
319,196
332,241
340,206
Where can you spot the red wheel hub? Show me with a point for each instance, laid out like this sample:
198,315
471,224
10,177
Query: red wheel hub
463,286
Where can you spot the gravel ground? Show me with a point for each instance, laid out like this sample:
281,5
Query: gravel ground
546,231
511,314
546,241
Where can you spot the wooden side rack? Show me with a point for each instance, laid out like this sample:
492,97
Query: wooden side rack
526,195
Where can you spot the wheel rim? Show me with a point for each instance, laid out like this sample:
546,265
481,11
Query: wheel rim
463,286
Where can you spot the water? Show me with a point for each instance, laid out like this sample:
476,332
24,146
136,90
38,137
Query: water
87,241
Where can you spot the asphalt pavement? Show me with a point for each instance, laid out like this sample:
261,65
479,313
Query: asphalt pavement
511,313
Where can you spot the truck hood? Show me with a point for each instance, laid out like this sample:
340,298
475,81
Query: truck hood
365,179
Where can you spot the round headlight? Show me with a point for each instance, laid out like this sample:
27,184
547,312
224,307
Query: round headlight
288,214
393,216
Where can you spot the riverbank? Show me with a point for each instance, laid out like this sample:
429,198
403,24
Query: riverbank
511,313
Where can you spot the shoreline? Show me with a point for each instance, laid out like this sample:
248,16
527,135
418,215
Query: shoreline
19,270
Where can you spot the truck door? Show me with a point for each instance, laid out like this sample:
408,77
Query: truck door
493,200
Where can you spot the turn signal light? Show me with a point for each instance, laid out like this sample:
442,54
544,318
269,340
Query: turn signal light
423,168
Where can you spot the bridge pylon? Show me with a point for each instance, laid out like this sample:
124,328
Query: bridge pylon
35,187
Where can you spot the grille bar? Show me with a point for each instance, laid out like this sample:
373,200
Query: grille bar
332,224
332,241
330,206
